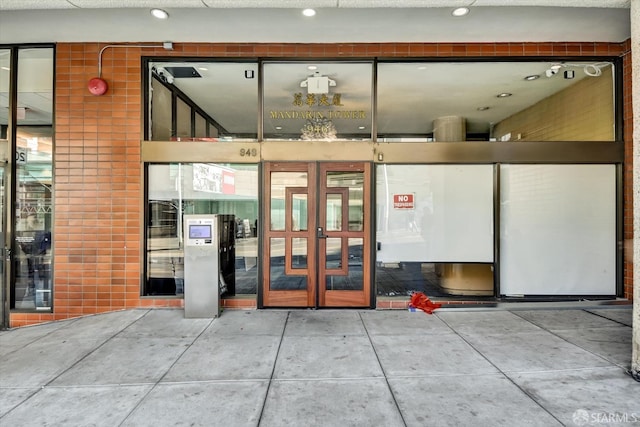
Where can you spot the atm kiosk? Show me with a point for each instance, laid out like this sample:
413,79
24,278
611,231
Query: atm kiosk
201,266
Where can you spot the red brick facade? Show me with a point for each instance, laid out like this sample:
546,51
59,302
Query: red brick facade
97,162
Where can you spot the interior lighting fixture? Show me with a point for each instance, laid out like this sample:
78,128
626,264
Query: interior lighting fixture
312,67
504,95
532,77
460,11
317,83
483,108
159,13
309,12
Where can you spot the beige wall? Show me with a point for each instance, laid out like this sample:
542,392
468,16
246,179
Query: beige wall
582,112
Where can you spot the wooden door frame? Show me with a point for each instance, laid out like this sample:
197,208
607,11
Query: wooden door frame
288,298
344,298
313,297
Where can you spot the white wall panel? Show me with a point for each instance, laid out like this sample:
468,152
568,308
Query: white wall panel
452,220
558,230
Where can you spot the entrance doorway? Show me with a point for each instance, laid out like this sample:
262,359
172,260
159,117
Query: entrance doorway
317,235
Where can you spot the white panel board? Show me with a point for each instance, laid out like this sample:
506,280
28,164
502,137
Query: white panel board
558,230
452,217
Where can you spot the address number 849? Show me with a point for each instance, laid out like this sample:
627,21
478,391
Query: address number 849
248,152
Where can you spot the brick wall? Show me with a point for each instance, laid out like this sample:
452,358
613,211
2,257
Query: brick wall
98,184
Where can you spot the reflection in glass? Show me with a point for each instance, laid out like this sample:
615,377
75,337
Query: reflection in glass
299,212
299,252
354,279
434,279
5,63
280,181
334,253
333,102
183,119
279,280
202,189
34,170
224,94
334,212
543,109
354,182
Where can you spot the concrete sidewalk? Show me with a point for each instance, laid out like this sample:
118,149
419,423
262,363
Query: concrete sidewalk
533,367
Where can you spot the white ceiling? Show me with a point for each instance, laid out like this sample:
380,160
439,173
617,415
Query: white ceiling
34,21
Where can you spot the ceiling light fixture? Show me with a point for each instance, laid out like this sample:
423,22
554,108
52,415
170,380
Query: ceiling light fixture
532,77
504,95
461,11
309,12
312,67
159,13
483,108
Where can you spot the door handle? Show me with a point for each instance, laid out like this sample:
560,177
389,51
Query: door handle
320,233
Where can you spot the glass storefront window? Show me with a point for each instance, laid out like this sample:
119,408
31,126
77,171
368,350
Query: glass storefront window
495,101
416,101
434,229
5,67
200,188
203,101
34,183
318,100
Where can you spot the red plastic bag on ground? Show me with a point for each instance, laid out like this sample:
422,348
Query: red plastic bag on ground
422,302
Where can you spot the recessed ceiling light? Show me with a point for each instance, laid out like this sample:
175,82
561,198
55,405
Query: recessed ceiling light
483,108
312,67
532,77
6,68
361,127
461,11
308,12
203,69
159,13
278,127
422,67
504,95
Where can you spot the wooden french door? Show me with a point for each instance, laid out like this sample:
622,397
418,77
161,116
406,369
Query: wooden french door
316,239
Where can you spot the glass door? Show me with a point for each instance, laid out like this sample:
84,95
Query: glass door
4,306
316,243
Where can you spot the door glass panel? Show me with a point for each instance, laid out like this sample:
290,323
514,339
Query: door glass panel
353,281
334,253
354,181
279,182
278,278
2,233
299,252
334,212
299,212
